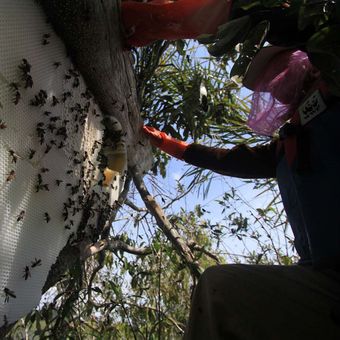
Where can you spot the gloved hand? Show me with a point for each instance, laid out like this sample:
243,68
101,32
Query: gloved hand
161,140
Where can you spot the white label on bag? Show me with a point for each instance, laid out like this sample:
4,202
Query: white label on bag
311,107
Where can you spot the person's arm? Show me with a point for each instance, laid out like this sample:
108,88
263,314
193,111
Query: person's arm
241,161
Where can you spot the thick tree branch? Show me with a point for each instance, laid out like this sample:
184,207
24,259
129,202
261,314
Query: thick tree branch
170,232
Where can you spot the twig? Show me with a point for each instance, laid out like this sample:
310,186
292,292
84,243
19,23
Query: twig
134,207
93,275
194,246
172,320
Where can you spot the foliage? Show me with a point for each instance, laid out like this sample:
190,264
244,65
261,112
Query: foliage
308,25
116,295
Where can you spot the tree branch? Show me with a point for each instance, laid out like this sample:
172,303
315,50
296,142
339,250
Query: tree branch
112,245
194,246
165,225
134,207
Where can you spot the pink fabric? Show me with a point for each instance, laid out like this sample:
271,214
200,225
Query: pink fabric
280,90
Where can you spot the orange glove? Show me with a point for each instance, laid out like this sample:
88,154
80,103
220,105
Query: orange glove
161,140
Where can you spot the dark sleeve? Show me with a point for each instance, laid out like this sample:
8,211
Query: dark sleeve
241,161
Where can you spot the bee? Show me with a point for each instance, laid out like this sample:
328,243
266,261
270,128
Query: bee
61,145
16,98
95,146
67,227
14,156
41,135
140,143
47,217
51,127
65,213
2,125
54,119
45,187
74,189
69,172
66,95
45,40
31,154
43,170
48,148
39,99
73,73
28,81
21,216
47,113
55,101
25,67
27,272
87,94
62,132
58,182
10,176
76,82
14,86
40,185
56,64
36,263
39,179
9,293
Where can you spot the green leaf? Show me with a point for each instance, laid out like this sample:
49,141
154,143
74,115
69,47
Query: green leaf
206,38
324,52
251,46
230,34
272,3
180,46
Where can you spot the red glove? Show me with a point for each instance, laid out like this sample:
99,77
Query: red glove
161,140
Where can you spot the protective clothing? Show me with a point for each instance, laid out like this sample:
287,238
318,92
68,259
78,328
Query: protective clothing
161,140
